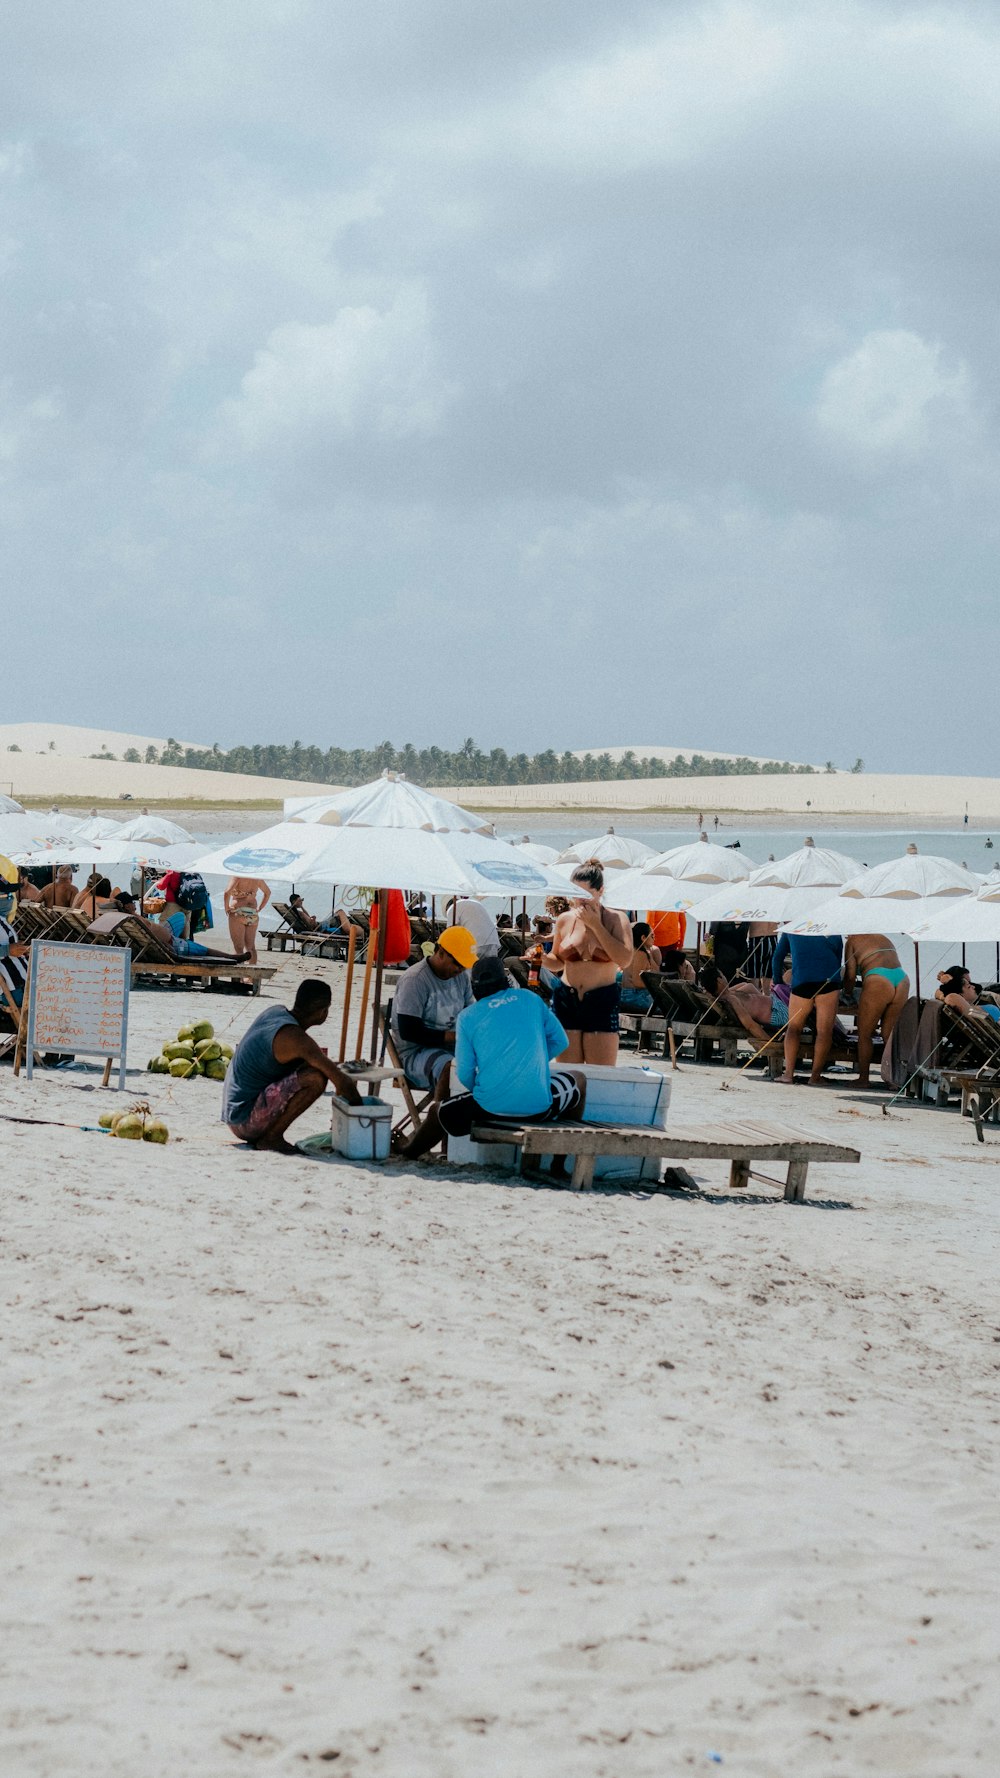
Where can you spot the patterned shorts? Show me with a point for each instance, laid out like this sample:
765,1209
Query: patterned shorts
267,1108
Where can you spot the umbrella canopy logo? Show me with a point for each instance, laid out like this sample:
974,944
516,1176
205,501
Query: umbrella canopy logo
510,876
259,858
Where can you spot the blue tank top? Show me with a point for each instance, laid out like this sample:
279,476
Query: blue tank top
253,1066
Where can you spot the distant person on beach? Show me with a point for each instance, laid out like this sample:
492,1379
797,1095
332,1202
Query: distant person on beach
60,893
636,997
426,1005
26,889
244,901
816,982
590,945
504,1045
957,989
95,896
278,1071
123,907
885,989
339,923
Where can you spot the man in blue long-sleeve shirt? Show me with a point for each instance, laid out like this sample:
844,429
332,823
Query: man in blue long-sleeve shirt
816,980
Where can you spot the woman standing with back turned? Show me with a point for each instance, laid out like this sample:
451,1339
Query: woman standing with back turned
244,901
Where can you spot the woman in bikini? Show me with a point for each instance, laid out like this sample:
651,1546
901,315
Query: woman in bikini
591,943
244,910
885,989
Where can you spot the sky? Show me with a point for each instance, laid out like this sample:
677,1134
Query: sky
567,374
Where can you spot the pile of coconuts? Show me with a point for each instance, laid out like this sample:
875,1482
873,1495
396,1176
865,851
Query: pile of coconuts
193,1051
137,1124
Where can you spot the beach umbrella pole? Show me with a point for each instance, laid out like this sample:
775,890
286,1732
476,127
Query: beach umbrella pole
379,967
365,991
352,940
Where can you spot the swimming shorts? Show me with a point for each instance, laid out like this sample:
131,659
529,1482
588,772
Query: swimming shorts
267,1108
459,1113
597,1010
424,1068
812,990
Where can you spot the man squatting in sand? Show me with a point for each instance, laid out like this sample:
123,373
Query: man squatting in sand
278,1071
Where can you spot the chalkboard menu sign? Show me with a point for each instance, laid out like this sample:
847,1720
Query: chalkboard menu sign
78,1001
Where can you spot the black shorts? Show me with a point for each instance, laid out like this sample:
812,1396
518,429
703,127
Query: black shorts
459,1113
812,990
597,1010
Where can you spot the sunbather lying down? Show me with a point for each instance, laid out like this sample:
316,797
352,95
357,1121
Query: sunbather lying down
184,949
760,1013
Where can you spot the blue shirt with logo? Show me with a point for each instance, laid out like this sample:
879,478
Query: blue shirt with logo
503,1047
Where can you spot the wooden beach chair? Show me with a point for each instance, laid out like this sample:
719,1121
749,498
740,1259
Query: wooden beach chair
742,1145
289,930
415,1107
33,921
693,1014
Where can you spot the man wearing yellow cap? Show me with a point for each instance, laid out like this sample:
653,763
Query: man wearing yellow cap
427,1003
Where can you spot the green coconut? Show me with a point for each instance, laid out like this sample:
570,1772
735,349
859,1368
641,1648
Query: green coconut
179,1052
207,1050
130,1127
227,1051
185,1034
202,1031
183,1067
155,1131
106,1121
216,1070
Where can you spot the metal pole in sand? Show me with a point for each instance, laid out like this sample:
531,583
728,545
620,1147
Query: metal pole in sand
352,939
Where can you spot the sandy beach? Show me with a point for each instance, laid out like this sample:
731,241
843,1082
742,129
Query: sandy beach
425,1472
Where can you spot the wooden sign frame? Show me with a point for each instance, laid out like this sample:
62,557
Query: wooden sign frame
116,960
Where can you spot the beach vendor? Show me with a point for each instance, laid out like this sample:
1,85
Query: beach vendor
590,946
504,1044
425,1010
278,1071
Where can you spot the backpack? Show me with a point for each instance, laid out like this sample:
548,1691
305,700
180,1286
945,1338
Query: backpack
191,891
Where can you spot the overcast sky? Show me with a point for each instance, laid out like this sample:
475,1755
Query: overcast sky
559,372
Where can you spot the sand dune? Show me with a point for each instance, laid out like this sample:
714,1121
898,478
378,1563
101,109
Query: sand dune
43,776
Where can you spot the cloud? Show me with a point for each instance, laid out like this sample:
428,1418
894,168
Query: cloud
367,373
892,396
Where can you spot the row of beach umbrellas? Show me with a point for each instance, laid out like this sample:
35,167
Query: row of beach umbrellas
392,834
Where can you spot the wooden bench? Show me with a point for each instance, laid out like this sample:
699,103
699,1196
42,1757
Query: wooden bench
207,972
741,1144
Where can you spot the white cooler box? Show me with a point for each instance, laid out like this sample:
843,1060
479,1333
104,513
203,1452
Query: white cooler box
628,1095
361,1132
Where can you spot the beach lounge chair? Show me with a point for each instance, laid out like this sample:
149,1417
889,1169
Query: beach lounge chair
692,1013
742,1145
32,920
952,1050
289,930
153,957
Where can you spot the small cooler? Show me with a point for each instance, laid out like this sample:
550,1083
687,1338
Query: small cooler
627,1095
361,1132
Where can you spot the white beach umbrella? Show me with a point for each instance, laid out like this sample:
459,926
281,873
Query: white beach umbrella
9,807
892,897
405,858
154,829
389,801
965,920
679,880
98,827
616,851
46,831
533,849
784,888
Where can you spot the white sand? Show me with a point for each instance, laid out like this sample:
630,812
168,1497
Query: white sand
304,1460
